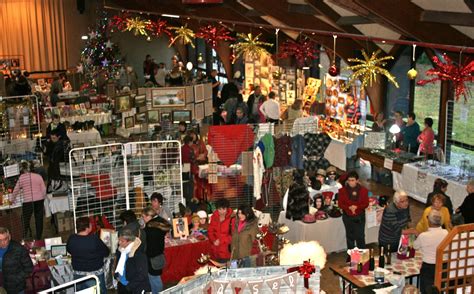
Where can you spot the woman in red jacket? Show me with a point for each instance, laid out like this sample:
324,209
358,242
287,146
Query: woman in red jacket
353,200
219,231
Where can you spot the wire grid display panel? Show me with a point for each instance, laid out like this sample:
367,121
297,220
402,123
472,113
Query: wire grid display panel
154,166
459,124
455,261
19,128
98,182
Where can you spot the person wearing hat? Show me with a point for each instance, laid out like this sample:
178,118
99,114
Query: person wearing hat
203,223
331,173
156,200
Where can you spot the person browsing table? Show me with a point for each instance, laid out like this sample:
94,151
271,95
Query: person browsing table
271,108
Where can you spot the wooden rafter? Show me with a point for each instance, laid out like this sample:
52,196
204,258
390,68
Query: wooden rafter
450,18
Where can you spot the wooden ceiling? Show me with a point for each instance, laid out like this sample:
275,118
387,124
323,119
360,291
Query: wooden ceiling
431,21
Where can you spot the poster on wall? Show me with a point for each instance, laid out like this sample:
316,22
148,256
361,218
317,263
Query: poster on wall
168,97
342,104
11,62
198,93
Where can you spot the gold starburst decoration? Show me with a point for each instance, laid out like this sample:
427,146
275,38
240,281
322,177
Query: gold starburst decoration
137,25
249,46
368,69
184,33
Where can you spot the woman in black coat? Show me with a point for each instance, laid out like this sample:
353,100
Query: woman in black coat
156,228
440,186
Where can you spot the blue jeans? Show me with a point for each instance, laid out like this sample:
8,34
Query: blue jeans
156,284
91,283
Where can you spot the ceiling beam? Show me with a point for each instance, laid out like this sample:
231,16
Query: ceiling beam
450,18
353,20
402,16
470,4
301,9
345,47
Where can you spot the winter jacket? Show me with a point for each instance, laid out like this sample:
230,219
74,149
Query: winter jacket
242,242
220,231
136,270
16,267
362,202
156,230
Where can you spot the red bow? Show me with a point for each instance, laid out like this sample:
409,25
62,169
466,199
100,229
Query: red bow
306,269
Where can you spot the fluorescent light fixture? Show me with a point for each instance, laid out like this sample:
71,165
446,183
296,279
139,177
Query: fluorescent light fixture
84,37
170,15
394,129
305,67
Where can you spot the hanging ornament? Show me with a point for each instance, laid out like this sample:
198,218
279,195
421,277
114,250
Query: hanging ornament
158,28
232,56
200,59
249,46
304,50
108,44
333,69
368,69
119,22
92,35
412,73
105,62
448,71
138,26
212,35
184,33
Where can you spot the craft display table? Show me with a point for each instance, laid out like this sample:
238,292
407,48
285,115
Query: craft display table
378,157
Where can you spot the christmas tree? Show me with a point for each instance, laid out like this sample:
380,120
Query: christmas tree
100,58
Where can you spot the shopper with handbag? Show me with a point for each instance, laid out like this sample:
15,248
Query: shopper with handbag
156,229
244,231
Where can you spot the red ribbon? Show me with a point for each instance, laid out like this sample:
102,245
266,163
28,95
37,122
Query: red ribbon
305,271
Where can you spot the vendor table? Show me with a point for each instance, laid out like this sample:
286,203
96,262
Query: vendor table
406,269
417,180
339,151
181,258
330,233
126,133
86,138
378,159
98,118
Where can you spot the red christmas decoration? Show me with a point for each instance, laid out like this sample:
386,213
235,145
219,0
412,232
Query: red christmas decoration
212,35
303,50
448,71
306,270
158,28
119,21
333,70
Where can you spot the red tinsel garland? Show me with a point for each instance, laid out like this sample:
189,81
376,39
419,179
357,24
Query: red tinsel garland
302,50
158,28
448,71
119,21
212,35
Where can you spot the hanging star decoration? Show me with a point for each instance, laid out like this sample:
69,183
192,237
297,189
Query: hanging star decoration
304,50
92,35
137,25
105,62
368,69
212,35
159,27
448,71
249,46
184,33
119,22
108,44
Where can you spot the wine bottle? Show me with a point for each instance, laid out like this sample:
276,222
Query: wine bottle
381,258
371,260
389,255
359,267
408,251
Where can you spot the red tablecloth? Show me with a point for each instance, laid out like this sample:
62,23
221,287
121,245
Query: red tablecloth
181,260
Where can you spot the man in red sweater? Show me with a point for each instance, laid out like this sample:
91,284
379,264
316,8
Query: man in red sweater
353,200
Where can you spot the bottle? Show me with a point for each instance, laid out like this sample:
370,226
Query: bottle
408,251
389,255
381,258
359,267
371,260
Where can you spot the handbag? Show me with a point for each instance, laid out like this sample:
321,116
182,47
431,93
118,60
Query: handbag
158,262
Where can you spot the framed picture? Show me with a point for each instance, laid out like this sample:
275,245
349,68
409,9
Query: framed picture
129,122
168,97
140,118
57,250
153,116
199,111
190,107
208,109
207,91
198,93
190,94
143,109
140,100
249,70
165,116
123,103
181,115
180,228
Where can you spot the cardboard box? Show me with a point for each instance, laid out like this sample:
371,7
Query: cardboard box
65,225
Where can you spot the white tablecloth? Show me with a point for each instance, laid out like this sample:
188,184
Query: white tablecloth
140,129
330,233
98,118
55,204
88,138
418,182
338,151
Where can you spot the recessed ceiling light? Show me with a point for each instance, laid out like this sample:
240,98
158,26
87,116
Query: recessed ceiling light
170,15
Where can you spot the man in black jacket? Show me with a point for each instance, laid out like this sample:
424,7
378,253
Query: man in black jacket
15,263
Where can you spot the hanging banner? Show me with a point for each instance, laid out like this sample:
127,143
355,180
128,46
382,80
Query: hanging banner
208,288
291,281
255,286
238,286
274,285
219,287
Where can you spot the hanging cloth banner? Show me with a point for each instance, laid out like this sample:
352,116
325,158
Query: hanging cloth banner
291,281
255,286
238,286
219,287
230,141
274,285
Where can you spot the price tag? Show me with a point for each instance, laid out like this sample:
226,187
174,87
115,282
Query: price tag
388,163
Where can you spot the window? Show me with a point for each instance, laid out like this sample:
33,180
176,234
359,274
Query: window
427,97
460,124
